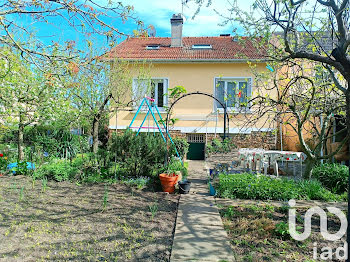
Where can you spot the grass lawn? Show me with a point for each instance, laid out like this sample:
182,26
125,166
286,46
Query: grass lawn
68,222
261,234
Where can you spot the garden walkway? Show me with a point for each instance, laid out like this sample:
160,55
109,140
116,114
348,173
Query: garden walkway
199,232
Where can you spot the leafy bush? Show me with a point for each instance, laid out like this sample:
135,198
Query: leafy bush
139,182
332,176
3,162
21,168
181,145
282,230
251,186
176,165
142,155
220,146
57,142
58,170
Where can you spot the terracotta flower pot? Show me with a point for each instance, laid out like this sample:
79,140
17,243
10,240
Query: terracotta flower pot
168,182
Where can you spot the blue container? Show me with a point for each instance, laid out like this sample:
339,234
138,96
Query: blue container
212,190
30,166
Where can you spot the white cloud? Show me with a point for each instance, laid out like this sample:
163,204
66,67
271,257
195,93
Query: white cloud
206,23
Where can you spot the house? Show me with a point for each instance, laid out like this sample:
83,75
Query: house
214,65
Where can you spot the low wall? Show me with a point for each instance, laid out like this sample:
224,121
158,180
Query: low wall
255,139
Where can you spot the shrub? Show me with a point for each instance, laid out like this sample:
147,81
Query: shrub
333,176
251,186
139,182
181,146
176,165
3,162
282,230
220,146
57,142
142,155
58,170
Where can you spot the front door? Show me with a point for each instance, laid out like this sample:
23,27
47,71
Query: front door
197,147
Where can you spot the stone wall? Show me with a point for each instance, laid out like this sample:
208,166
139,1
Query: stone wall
265,140
257,139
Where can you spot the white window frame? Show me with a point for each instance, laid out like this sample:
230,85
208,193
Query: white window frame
152,47
156,80
249,81
202,46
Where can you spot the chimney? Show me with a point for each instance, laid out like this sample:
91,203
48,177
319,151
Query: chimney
176,30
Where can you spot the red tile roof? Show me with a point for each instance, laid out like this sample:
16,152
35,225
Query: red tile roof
223,48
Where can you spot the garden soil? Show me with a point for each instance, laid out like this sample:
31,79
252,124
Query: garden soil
91,222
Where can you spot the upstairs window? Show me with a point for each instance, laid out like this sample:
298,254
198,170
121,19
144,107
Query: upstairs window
152,47
202,46
235,93
155,88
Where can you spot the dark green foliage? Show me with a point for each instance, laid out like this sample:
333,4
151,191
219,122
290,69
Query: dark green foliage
84,167
126,156
220,146
176,165
58,170
282,230
181,145
251,186
21,168
142,155
333,176
56,142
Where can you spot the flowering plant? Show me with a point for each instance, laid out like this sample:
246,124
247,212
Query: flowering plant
3,163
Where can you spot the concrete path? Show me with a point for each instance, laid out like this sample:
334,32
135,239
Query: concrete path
199,232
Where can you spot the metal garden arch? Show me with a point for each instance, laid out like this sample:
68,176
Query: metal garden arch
197,93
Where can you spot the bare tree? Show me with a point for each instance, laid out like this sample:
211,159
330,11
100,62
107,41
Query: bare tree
19,20
299,96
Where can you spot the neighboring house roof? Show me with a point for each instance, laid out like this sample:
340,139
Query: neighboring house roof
324,41
223,48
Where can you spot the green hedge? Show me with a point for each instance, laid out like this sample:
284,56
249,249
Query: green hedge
251,186
332,176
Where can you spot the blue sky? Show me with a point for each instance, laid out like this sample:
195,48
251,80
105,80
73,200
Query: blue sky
154,12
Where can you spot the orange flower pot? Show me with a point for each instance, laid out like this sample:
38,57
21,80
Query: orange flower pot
168,182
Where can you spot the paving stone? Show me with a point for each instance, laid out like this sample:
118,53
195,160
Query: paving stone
199,232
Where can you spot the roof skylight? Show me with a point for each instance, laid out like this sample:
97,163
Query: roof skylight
202,46
152,47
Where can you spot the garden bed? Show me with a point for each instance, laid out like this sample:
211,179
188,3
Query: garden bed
71,222
260,233
260,187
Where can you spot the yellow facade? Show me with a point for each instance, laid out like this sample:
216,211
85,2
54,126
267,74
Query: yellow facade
197,113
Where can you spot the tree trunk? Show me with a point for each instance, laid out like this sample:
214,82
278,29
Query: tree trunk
347,95
310,164
20,138
95,126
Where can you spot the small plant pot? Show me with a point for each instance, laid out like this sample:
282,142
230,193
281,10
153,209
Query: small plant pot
184,187
168,182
